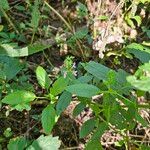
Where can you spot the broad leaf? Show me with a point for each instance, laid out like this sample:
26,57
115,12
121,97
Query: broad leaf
42,77
48,118
102,127
17,144
78,109
87,127
59,86
63,102
97,70
4,4
94,145
85,79
141,79
19,97
9,50
141,52
45,143
35,15
83,90
9,67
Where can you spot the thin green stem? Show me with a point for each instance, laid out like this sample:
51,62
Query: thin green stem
67,24
48,60
61,17
9,20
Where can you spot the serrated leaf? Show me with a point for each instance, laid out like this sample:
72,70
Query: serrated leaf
59,86
84,79
83,90
94,145
82,10
141,79
4,4
9,67
138,20
87,127
143,85
102,127
78,109
48,118
35,15
63,101
139,51
17,144
45,143
19,97
141,120
97,70
42,77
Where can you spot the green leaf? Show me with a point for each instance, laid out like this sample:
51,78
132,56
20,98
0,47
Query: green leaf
137,19
63,101
143,85
9,67
144,1
78,109
139,51
35,15
48,118
141,79
103,17
4,4
97,70
19,97
23,106
80,34
85,79
83,90
17,144
94,145
45,143
9,50
102,127
42,77
82,10
144,147
59,86
87,127
141,120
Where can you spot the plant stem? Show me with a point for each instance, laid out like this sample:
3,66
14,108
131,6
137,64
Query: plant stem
66,23
9,20
48,60
68,26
